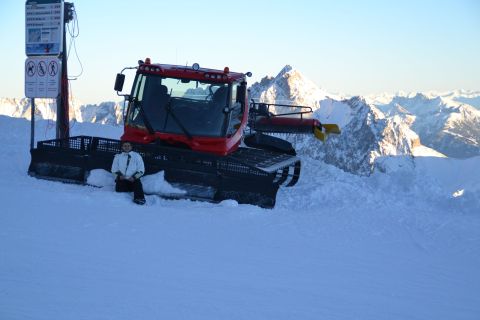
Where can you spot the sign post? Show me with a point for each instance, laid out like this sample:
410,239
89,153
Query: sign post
46,64
32,124
63,120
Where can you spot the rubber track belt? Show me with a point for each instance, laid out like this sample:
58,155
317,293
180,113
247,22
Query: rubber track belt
296,174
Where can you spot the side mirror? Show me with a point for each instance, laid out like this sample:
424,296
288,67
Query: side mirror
119,80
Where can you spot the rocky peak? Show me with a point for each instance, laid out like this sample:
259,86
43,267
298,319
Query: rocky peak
284,71
289,86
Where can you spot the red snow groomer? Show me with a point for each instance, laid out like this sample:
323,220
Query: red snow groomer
190,123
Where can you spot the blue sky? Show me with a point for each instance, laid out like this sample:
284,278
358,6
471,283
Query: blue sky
349,47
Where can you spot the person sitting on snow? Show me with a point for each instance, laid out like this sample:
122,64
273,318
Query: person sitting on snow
127,168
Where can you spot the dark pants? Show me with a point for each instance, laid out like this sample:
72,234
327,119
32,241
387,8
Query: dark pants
127,186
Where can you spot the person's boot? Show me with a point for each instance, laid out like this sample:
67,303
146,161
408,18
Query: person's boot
139,201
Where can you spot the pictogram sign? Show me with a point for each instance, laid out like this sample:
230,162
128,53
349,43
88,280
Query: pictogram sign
42,77
53,68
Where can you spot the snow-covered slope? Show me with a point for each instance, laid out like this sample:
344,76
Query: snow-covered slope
400,244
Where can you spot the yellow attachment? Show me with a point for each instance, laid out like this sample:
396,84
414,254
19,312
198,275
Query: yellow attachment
319,134
329,128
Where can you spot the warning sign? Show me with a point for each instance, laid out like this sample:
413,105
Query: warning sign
44,27
31,68
41,68
53,68
42,77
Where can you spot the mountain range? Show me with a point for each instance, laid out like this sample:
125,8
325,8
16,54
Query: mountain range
373,127
104,113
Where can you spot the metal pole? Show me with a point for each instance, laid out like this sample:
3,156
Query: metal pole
32,124
63,126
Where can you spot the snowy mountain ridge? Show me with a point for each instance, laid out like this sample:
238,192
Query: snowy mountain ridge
448,126
104,113
470,97
372,127
371,133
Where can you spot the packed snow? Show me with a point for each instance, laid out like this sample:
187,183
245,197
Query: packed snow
399,244
152,184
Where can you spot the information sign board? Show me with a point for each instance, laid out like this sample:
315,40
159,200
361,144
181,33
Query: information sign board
44,27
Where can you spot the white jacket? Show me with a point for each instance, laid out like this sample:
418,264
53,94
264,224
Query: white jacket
128,164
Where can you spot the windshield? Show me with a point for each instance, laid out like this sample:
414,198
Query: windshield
178,106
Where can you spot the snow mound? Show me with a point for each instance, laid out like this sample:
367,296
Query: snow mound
152,184
229,203
156,184
437,179
100,178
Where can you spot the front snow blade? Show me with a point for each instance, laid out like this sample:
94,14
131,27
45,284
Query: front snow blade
249,175
69,160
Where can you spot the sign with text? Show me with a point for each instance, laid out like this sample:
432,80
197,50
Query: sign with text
42,77
44,27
